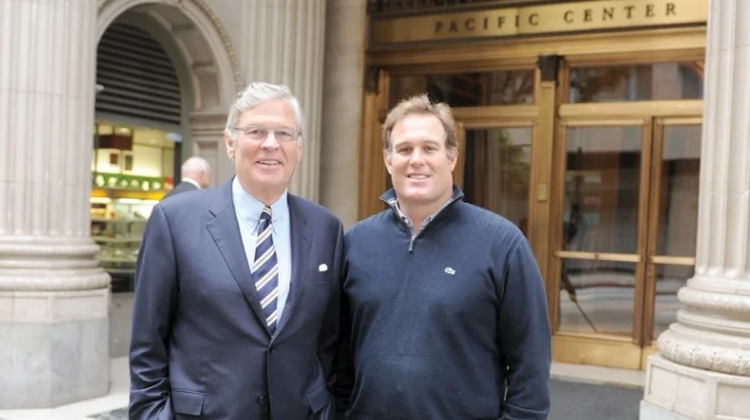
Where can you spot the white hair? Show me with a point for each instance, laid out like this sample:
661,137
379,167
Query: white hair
257,92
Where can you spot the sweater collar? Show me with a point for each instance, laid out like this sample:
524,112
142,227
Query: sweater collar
389,198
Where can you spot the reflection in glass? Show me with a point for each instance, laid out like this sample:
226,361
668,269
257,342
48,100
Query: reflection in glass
669,279
601,189
659,81
513,87
678,200
678,218
496,173
599,298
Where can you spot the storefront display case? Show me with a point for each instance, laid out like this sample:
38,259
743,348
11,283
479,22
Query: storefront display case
132,168
117,225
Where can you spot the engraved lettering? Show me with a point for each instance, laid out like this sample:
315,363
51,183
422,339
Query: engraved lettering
500,21
587,15
649,10
486,22
534,19
453,27
438,26
568,16
671,10
469,24
629,9
608,13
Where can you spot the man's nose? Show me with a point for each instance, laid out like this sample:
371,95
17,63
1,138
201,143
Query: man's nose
270,142
416,158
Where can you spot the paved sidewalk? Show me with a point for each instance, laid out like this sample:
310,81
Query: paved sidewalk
578,393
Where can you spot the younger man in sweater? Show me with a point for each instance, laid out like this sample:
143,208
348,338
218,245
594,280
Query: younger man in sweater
445,309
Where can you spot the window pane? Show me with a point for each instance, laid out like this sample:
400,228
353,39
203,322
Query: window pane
597,297
601,189
678,201
660,81
496,173
669,279
515,87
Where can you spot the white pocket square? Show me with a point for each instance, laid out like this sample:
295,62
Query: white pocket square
322,268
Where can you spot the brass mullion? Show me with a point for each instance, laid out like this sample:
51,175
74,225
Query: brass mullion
492,115
373,179
643,215
666,259
631,109
652,231
458,172
542,157
600,256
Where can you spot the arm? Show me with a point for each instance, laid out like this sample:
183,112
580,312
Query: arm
524,337
329,332
344,362
153,309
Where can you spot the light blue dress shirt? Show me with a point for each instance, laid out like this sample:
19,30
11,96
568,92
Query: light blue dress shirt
247,209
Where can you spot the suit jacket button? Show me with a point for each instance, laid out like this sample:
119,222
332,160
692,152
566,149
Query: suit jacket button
262,400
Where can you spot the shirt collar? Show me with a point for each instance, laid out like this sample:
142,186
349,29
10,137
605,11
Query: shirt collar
191,181
390,198
249,208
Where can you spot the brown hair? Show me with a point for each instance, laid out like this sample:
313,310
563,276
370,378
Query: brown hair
420,104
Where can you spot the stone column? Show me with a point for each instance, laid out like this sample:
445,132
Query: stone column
54,344
342,107
283,43
702,370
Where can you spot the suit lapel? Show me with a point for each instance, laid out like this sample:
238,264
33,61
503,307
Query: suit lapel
300,241
226,234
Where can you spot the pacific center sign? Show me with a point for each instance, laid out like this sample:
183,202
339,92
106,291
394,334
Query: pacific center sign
546,19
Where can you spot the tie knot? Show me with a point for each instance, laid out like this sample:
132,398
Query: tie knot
266,214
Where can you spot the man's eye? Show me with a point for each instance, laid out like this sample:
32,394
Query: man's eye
285,135
255,133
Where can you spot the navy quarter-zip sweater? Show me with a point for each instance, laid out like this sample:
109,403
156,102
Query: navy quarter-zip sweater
449,325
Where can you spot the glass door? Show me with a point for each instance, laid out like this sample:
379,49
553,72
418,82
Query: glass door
673,217
496,169
628,206
600,253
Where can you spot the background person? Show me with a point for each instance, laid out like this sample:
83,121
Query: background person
195,174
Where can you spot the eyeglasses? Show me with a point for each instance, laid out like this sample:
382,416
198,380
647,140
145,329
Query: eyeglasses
258,133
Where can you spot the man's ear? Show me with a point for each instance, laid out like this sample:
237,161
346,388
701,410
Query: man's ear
229,143
387,160
453,157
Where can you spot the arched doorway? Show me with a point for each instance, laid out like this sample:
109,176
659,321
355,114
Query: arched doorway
165,76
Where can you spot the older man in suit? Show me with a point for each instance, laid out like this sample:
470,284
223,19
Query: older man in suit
195,174
236,313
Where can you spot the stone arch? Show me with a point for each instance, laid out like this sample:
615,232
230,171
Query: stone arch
209,57
196,30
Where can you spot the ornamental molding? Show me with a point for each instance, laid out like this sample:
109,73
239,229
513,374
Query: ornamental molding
715,301
734,361
54,280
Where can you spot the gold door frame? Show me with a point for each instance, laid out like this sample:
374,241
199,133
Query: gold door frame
629,352
660,124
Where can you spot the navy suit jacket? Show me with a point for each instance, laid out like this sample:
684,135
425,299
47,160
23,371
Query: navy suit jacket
181,187
199,346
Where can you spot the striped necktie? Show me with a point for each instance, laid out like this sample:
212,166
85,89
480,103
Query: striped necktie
266,270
